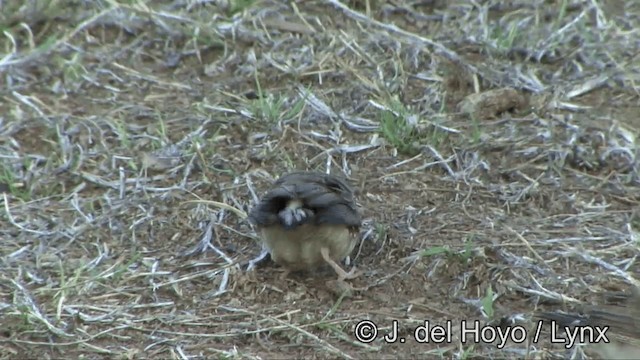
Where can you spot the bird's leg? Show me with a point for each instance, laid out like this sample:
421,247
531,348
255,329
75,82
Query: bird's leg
342,275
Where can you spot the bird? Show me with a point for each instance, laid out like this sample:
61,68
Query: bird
620,321
308,219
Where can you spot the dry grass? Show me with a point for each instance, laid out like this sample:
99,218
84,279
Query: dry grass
119,120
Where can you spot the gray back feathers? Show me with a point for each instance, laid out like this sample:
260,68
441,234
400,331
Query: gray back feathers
302,197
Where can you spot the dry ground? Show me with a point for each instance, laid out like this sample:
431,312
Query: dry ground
493,144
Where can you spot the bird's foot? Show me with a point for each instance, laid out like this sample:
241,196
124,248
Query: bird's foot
342,275
340,288
352,274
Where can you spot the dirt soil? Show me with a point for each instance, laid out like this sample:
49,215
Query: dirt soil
493,146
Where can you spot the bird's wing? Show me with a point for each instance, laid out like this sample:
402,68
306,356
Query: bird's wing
322,199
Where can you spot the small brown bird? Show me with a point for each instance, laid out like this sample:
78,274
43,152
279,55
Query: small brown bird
308,219
622,320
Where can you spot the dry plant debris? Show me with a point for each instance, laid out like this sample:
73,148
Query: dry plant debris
619,324
135,136
492,103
